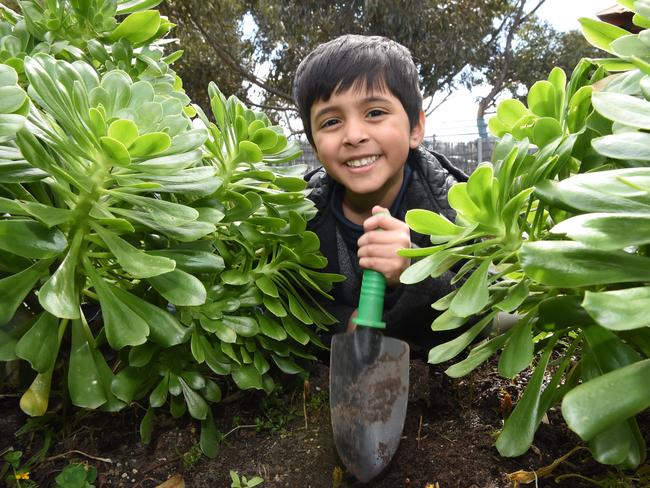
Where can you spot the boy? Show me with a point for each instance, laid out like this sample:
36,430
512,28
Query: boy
361,107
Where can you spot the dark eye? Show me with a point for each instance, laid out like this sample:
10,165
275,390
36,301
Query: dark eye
376,113
329,123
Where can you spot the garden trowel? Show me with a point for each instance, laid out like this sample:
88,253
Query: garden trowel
369,382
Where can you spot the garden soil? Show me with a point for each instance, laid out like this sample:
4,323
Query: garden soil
448,441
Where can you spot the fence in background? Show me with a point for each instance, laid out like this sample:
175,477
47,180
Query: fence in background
464,155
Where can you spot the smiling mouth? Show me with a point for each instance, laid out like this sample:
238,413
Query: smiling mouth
360,163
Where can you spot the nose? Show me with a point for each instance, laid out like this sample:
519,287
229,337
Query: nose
355,132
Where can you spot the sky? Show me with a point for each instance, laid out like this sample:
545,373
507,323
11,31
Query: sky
457,116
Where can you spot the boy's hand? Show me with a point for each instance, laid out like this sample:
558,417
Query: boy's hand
383,236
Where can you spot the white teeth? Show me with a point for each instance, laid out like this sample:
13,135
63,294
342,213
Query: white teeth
358,163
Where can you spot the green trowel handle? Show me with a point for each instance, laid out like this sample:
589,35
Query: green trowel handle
371,300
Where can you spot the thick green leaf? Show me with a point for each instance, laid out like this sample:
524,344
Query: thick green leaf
609,399
515,297
248,152
146,426
570,264
298,310
210,437
215,360
604,351
618,445
196,405
137,27
433,224
448,350
179,288
607,231
196,347
11,99
177,406
212,392
624,145
296,330
123,326
477,356
141,355
622,108
268,287
603,191
158,395
557,78
16,287
601,34
630,46
541,99
517,354
191,260
270,327
479,187
545,130
164,328
149,144
422,268
10,124
50,216
561,311
123,130
578,109
274,305
510,111
126,384
244,326
222,331
460,201
84,381
519,429
619,309
40,344
287,365
35,400
59,294
247,377
160,210
473,295
31,239
8,75
448,321
115,151
138,263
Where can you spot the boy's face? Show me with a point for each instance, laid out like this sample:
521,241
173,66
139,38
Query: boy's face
362,137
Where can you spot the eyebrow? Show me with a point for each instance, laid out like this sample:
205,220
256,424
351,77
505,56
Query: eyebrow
334,108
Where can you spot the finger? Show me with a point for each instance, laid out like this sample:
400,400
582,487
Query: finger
381,220
381,250
387,267
398,239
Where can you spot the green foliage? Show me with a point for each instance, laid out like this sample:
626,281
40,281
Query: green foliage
155,252
554,229
243,482
77,475
14,472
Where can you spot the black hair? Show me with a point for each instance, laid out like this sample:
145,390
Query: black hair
354,61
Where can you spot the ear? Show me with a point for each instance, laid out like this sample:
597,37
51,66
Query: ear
417,132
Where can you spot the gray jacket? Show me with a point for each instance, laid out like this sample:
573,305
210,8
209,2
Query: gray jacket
407,309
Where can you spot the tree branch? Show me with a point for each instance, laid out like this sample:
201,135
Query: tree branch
227,58
430,110
500,82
